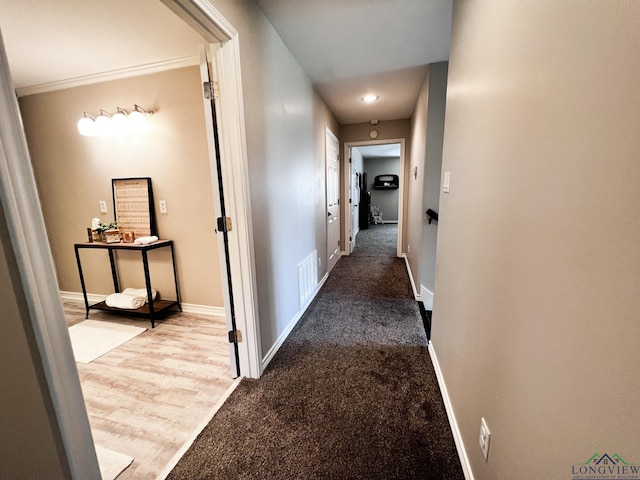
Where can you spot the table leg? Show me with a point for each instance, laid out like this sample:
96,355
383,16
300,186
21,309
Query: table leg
147,279
114,273
84,289
175,278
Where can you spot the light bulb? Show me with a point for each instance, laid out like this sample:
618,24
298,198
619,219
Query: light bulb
103,123
120,121
86,126
137,121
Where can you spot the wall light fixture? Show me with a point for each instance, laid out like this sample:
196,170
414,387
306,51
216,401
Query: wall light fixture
121,122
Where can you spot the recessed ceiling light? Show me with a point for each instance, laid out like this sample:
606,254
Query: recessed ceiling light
369,98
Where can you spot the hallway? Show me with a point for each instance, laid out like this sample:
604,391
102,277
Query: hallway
378,240
351,394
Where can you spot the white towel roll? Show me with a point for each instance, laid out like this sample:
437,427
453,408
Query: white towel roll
145,240
139,292
124,301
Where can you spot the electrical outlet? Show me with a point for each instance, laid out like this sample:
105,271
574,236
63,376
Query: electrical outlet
163,206
103,206
485,436
408,248
319,261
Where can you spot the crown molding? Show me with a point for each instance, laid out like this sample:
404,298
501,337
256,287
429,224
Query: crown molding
108,76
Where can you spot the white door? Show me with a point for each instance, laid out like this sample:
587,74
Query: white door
333,199
211,120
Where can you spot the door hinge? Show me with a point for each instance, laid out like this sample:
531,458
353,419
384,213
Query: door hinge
224,224
350,239
235,336
211,90
349,200
349,160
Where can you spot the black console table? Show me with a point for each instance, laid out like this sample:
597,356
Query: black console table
152,308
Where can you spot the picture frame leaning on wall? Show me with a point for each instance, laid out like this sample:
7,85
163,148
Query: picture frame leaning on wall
133,206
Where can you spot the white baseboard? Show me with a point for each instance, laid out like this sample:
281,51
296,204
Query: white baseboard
77,297
416,294
426,297
457,437
389,221
186,307
203,310
294,321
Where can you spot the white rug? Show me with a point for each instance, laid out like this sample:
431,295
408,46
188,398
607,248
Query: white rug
111,463
92,339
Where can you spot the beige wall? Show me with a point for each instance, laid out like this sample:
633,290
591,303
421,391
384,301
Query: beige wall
535,323
359,132
285,126
74,173
414,185
422,189
31,443
432,174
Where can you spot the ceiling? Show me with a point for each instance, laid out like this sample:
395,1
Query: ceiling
347,47
50,41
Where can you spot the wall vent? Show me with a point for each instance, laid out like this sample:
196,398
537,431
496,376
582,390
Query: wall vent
307,278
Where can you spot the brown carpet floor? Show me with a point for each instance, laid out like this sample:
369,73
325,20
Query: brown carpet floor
350,395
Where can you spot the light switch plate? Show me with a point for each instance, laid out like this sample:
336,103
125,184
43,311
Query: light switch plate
445,182
103,206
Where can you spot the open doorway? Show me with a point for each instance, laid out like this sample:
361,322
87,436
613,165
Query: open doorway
60,216
375,183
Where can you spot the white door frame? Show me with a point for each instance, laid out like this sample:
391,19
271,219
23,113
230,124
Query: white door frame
19,198
350,234
204,18
401,199
31,248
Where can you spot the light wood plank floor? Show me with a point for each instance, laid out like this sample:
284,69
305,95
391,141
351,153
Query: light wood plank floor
148,396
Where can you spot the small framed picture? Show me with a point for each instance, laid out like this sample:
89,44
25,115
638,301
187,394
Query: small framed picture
133,206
